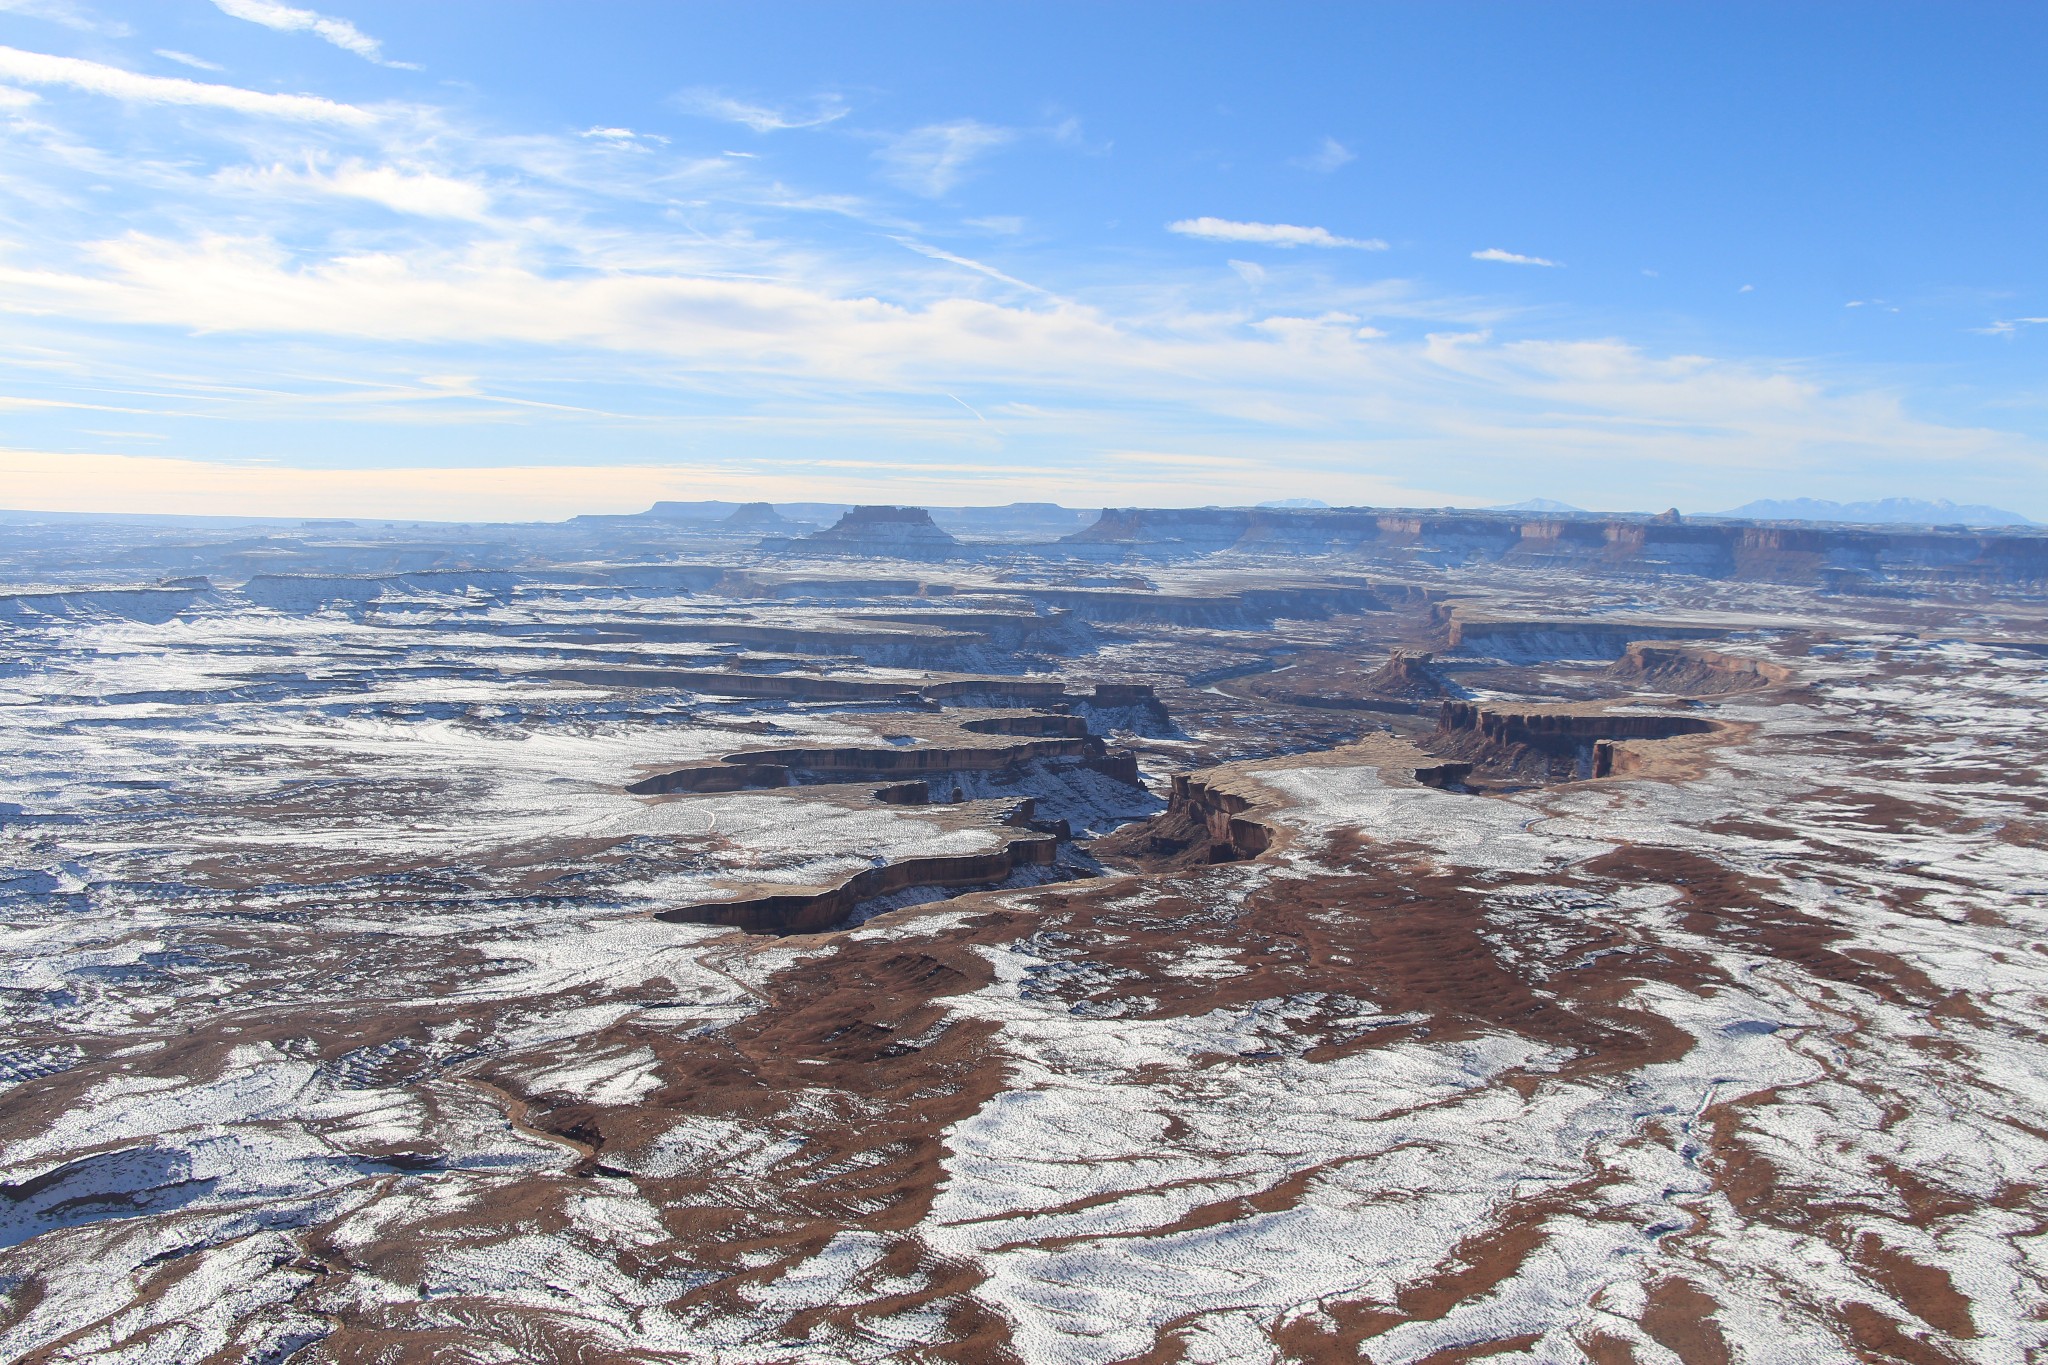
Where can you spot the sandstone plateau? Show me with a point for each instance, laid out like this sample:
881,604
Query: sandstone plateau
1219,935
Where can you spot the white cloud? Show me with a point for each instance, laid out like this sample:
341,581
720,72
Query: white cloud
1270,234
37,68
67,13
1494,253
422,193
2006,327
1747,289
187,59
11,98
289,19
931,160
1327,157
967,263
625,137
761,118
660,283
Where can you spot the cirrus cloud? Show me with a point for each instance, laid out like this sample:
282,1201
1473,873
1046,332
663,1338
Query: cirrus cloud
762,118
933,159
1325,158
97,78
1270,234
289,19
1494,253
423,194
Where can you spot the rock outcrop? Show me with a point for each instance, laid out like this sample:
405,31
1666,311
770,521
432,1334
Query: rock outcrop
1566,637
856,763
812,911
1409,675
1685,669
1843,558
1247,609
760,518
1220,812
1561,744
891,532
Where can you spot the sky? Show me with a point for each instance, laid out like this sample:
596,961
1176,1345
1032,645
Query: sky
506,259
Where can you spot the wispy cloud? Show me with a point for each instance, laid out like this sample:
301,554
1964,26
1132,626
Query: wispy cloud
1270,234
1494,253
624,137
1326,158
968,263
762,118
187,59
422,193
931,160
289,19
2006,327
37,68
67,13
543,274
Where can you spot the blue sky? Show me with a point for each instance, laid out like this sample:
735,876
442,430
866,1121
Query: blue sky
525,260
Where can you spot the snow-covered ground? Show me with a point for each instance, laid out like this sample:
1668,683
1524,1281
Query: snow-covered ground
333,1014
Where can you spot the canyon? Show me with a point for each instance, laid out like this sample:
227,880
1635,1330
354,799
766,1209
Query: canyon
802,933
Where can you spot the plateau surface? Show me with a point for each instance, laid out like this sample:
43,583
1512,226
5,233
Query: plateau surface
795,934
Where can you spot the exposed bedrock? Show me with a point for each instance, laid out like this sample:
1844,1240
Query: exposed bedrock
1054,632
1028,723
1552,745
902,646
716,777
886,532
1409,674
762,518
813,911
854,763
768,583
1444,776
1222,814
1250,609
1113,699
1407,683
995,691
1681,668
1765,552
774,686
1571,637
431,588
1126,706
151,605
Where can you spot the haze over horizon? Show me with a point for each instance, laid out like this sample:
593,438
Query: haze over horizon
484,261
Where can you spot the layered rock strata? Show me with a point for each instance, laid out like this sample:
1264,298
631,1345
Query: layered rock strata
1559,744
814,910
885,532
1840,557
1681,668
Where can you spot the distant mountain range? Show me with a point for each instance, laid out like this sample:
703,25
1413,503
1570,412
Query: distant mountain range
1536,505
1916,511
